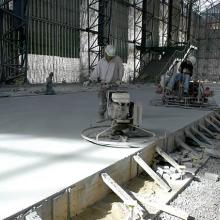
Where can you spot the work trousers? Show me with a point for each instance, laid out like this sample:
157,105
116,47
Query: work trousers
102,94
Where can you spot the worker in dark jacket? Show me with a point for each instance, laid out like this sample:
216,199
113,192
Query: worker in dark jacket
49,85
184,75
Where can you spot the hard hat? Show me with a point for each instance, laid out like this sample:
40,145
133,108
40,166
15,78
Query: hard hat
192,59
110,50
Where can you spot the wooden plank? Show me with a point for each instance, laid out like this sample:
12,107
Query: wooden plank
202,135
118,190
60,207
200,143
122,194
211,123
163,207
207,130
217,114
45,210
170,160
217,121
92,189
184,145
154,175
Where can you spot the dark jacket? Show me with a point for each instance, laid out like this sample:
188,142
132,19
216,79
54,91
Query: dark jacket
186,65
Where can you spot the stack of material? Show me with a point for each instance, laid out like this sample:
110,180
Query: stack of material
168,172
186,158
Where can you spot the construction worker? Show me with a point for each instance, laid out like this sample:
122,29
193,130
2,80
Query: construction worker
109,72
184,75
49,85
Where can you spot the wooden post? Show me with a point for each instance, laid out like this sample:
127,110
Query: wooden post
154,175
170,160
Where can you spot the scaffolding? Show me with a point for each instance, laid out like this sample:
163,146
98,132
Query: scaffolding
92,28
109,27
138,11
163,17
140,29
14,40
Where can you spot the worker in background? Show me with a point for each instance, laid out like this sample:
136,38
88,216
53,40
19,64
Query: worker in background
184,75
49,85
109,72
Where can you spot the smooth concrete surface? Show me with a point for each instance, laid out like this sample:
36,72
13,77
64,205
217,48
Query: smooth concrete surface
42,152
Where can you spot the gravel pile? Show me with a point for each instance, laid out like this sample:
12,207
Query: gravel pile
201,199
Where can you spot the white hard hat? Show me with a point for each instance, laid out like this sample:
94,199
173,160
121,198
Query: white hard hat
110,50
192,59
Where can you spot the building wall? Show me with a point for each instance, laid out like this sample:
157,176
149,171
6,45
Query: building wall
57,45
53,40
208,57
209,45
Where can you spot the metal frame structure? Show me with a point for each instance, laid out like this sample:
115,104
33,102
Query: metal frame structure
163,17
183,23
92,29
147,28
173,34
138,10
14,30
14,37
99,29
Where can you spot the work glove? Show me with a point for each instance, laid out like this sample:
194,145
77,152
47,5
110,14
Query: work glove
86,83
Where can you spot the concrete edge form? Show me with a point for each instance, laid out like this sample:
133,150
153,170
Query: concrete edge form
76,198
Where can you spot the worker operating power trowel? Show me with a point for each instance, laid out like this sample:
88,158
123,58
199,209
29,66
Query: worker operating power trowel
109,72
179,90
115,106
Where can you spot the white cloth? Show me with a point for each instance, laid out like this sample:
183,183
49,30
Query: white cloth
108,72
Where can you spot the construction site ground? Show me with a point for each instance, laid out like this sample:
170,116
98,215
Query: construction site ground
42,152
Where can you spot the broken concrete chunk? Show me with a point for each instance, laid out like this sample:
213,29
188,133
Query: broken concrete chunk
168,171
166,176
176,176
160,171
173,169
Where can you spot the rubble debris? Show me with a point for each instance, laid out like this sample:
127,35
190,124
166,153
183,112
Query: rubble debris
211,176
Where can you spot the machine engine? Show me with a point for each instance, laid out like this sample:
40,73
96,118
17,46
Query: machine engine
124,129
121,110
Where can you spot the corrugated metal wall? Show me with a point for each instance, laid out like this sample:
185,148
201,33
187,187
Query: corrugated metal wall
54,40
119,29
209,45
54,27
113,25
